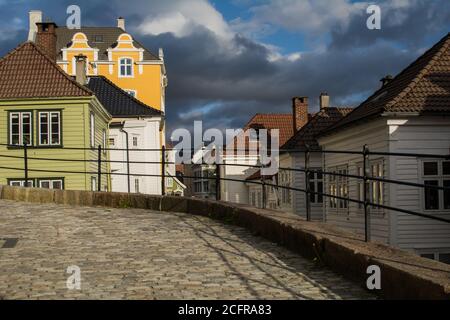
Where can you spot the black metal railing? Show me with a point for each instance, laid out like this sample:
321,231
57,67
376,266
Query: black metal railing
366,178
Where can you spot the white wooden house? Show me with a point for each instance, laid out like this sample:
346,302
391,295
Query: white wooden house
408,114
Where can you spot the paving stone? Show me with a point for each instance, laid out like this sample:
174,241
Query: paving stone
142,254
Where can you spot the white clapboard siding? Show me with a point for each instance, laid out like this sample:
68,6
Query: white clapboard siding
418,135
298,197
375,135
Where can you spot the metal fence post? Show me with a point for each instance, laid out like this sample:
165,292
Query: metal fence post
99,168
308,190
366,191
263,185
163,170
217,182
25,164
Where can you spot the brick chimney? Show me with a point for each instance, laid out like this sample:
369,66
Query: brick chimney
300,112
80,69
46,38
324,101
121,23
35,16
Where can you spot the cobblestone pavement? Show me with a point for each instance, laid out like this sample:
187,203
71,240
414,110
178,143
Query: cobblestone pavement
141,254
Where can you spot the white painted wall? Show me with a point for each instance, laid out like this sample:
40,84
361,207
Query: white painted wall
375,134
414,134
236,192
147,133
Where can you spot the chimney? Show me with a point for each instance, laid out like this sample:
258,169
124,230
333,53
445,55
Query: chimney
46,38
386,80
121,23
80,75
35,16
324,101
300,112
161,54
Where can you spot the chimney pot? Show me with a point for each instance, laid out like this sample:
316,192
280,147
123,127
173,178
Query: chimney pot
35,16
386,80
324,101
46,38
121,23
300,112
80,75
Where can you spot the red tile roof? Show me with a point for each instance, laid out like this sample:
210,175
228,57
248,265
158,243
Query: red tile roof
27,72
269,121
422,87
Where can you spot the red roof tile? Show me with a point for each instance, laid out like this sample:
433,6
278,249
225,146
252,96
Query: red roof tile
27,72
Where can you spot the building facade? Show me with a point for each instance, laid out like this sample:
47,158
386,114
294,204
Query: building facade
56,117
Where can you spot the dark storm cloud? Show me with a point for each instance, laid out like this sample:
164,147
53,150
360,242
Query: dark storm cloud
224,83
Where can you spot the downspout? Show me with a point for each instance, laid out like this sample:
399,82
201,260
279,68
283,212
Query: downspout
128,159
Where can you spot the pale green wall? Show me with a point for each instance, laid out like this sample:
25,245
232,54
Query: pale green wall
75,134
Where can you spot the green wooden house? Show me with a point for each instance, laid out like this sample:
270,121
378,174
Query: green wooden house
57,117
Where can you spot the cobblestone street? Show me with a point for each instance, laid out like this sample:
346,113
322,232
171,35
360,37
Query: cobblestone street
140,254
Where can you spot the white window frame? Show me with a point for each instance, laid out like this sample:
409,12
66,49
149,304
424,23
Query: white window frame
440,178
49,128
94,185
92,129
316,182
376,188
21,183
20,115
131,65
133,139
137,184
50,183
338,186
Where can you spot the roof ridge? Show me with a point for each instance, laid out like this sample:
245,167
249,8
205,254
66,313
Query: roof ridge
6,56
58,69
123,92
444,42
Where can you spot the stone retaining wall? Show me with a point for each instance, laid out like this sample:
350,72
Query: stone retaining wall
403,274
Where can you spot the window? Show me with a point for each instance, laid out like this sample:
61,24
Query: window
376,187
126,67
316,185
51,183
112,142
92,130
442,255
135,141
136,185
332,185
253,198
360,186
94,183
98,38
21,183
20,126
49,128
436,173
132,93
169,182
338,187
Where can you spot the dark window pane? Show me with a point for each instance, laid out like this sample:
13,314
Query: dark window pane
447,195
446,168
428,255
319,189
431,196
444,257
312,196
430,168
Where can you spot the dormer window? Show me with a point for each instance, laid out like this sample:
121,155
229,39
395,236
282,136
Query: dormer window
126,67
98,38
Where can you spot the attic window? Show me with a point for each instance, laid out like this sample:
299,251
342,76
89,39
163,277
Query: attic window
98,38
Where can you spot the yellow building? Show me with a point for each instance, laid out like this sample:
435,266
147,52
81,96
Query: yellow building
114,54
